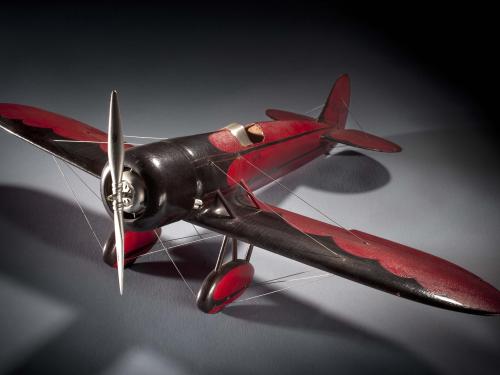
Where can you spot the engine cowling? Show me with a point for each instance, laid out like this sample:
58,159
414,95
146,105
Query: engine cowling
159,186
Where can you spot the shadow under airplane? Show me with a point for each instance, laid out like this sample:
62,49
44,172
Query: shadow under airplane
345,172
158,312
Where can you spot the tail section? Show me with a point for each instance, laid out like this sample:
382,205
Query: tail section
336,108
334,112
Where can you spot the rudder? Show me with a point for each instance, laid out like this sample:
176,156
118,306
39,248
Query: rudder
336,108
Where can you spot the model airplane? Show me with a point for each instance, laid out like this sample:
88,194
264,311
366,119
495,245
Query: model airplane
208,180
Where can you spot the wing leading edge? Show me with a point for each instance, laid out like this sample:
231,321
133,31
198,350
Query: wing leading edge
373,261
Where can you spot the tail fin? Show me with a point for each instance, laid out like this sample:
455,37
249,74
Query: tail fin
336,107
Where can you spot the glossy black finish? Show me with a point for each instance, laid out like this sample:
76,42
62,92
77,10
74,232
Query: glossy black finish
170,182
202,153
175,172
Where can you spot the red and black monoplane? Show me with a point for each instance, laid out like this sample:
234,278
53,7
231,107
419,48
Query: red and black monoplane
209,180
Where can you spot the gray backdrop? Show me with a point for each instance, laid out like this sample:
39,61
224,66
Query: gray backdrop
60,307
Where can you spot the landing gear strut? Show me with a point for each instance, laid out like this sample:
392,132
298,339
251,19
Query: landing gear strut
227,281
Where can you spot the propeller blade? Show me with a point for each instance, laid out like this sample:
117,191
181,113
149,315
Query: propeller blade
116,155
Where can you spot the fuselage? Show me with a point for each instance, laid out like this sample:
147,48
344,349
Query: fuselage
183,173
221,160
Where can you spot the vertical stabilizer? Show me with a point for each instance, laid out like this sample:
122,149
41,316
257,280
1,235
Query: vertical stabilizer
336,107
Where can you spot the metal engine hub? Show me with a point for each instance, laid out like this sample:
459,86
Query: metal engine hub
133,193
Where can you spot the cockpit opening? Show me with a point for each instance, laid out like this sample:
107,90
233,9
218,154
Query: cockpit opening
248,135
255,133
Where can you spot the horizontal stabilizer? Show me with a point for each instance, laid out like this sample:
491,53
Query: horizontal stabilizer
279,115
360,139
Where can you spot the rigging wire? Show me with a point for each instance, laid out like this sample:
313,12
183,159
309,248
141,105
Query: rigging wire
97,238
141,137
196,230
99,142
312,238
84,183
175,246
324,276
314,109
166,249
310,278
280,278
174,264
277,214
293,280
198,233
352,115
302,199
78,202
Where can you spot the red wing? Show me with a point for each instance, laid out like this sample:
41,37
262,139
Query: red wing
49,131
361,257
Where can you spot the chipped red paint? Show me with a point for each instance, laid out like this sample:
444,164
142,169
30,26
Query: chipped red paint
287,145
274,131
224,141
63,126
438,276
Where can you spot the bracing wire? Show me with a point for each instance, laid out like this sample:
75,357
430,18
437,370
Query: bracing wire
284,280
198,233
174,264
277,214
196,230
97,142
175,246
270,281
78,203
166,249
141,137
352,115
314,109
301,199
84,183
319,277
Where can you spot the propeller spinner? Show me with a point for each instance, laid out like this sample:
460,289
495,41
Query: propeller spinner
116,154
